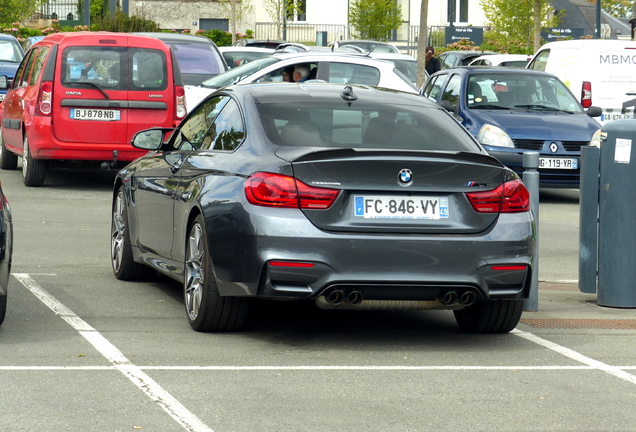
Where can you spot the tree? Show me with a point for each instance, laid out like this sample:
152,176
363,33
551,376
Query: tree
515,18
12,11
375,19
617,8
236,11
280,11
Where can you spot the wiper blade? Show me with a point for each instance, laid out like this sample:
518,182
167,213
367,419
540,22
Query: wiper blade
77,83
543,107
489,106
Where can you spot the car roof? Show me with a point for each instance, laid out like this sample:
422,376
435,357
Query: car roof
176,37
391,56
282,92
235,48
6,36
469,70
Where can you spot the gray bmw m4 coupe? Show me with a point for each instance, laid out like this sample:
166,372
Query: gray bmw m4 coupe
353,197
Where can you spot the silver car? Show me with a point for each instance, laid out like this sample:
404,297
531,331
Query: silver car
326,66
353,197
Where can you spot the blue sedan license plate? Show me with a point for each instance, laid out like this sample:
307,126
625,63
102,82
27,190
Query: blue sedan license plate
391,207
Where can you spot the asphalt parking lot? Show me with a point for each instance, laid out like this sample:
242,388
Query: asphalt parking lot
80,350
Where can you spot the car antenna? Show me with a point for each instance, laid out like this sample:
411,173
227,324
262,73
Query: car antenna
347,94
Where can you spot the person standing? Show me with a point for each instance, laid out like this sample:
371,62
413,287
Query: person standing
432,63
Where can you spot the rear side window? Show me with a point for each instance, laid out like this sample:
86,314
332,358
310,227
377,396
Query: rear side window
346,73
114,68
22,74
38,66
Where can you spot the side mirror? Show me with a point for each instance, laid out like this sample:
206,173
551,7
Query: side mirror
447,105
149,139
4,82
594,111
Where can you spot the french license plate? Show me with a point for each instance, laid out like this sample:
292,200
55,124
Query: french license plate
558,163
616,115
2,97
391,207
94,114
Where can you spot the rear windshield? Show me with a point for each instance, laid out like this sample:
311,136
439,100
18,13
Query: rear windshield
114,68
360,125
198,58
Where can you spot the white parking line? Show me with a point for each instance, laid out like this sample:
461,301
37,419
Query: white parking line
612,370
165,400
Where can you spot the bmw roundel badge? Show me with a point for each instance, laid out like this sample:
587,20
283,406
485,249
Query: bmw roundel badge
405,176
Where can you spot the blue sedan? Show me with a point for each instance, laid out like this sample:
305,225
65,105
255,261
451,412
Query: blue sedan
11,54
511,111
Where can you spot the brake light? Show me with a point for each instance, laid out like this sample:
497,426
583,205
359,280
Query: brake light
510,197
181,110
508,267
586,94
297,264
278,190
45,98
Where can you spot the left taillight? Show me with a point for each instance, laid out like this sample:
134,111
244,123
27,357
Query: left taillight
509,197
180,108
45,98
278,190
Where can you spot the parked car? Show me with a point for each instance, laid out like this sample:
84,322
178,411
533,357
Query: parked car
6,251
351,196
511,111
449,59
294,47
198,57
406,64
11,54
510,60
368,46
260,43
30,41
598,72
82,96
238,55
326,66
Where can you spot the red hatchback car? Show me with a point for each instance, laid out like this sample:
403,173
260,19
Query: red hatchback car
82,96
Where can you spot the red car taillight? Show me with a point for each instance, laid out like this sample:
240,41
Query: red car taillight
510,197
45,98
586,94
278,190
180,111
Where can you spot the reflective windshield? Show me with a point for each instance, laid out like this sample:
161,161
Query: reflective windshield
363,125
237,74
519,91
197,58
10,51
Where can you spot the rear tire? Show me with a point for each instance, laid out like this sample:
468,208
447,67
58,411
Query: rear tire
33,170
206,309
490,316
8,160
121,256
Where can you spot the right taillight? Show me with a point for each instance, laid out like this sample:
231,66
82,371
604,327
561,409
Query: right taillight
45,98
586,94
509,197
181,110
278,190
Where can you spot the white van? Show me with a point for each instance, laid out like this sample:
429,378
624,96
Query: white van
598,72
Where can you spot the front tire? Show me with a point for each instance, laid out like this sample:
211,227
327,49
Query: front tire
206,309
33,170
124,267
8,160
490,316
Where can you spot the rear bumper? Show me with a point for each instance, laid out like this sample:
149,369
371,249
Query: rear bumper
383,267
44,145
